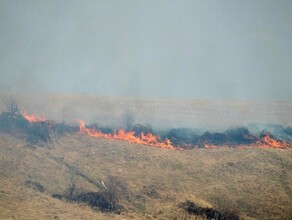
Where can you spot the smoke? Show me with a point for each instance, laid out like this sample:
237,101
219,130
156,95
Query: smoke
282,131
181,63
159,113
166,49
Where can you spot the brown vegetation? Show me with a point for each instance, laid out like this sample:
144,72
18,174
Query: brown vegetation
152,182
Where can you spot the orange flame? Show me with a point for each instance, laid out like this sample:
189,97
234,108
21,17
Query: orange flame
271,142
145,139
210,146
265,142
33,118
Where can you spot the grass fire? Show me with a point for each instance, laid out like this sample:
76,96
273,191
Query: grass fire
137,170
182,138
153,110
179,138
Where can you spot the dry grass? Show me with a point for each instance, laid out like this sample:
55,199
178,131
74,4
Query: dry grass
255,182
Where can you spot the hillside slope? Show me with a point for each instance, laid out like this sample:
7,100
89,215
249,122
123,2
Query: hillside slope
254,182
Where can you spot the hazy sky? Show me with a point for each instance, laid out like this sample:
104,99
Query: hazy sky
170,49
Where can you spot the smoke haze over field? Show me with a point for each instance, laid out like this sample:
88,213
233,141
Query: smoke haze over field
159,113
165,49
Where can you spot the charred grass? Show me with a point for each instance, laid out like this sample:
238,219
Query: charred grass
255,183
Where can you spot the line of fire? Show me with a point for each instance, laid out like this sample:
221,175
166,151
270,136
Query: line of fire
41,130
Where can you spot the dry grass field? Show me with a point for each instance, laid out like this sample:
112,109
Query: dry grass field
255,183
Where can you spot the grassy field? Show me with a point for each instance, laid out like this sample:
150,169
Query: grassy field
254,182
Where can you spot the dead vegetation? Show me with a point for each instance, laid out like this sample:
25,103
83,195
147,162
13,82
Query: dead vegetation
34,185
43,132
107,199
128,119
11,120
37,133
150,182
208,213
147,182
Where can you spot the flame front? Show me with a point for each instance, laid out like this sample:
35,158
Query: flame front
271,142
267,141
149,139
33,118
145,139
